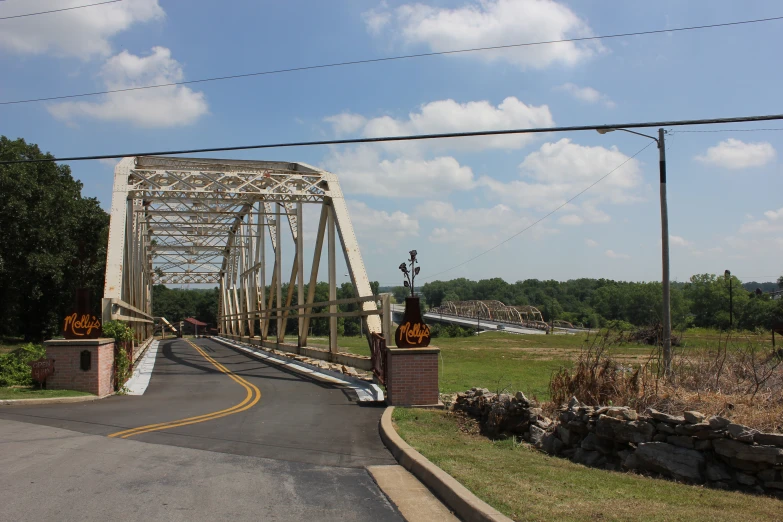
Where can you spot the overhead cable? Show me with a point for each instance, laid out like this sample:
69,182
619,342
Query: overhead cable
391,58
59,10
414,137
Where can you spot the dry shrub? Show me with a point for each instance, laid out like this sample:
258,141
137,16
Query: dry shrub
651,335
740,379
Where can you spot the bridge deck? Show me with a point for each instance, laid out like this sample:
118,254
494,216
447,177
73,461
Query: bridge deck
298,430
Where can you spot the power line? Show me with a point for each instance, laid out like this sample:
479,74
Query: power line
415,137
728,130
389,59
59,10
542,218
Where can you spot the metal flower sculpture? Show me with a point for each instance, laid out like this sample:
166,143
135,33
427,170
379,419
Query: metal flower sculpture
410,275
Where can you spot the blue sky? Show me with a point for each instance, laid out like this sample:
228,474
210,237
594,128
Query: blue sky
448,199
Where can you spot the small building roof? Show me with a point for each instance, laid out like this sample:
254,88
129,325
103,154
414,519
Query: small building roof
195,322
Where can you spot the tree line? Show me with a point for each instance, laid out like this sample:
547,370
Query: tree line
703,301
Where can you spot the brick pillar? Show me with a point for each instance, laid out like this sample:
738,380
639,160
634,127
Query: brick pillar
68,375
412,376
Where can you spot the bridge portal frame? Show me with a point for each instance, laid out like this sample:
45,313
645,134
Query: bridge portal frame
206,221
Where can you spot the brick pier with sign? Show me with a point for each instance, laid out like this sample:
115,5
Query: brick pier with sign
412,376
82,364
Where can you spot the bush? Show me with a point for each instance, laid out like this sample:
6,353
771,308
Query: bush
122,334
14,370
619,325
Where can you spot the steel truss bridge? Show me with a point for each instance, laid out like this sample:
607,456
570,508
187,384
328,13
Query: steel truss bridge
216,221
524,316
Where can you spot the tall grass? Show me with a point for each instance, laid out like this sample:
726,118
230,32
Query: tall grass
739,378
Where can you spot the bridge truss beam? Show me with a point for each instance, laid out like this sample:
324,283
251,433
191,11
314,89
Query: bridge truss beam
212,221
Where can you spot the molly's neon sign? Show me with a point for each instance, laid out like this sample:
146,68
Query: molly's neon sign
84,325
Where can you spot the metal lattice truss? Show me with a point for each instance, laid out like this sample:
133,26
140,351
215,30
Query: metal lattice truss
206,221
528,316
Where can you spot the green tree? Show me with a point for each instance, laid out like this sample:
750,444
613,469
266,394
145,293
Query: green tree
52,241
710,299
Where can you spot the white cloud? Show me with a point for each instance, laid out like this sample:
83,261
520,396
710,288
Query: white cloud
614,255
774,215
378,224
591,243
762,226
362,170
81,33
560,170
565,162
376,19
773,224
445,116
346,123
587,94
571,219
735,154
499,215
162,107
486,23
475,226
678,241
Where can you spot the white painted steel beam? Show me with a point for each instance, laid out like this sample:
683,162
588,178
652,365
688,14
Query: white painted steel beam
204,221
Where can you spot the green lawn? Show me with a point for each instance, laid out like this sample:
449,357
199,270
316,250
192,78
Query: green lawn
498,360
527,485
35,393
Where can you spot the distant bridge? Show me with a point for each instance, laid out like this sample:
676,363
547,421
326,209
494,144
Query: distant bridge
469,322
493,315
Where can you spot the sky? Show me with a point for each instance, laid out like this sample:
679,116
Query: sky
451,199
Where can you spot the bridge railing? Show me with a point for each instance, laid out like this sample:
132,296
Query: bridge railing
141,322
304,313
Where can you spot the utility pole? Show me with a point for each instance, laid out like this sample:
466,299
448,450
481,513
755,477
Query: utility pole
727,274
667,306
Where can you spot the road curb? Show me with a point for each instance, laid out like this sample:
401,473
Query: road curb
51,400
465,504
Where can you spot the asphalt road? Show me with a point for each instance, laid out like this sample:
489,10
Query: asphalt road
297,452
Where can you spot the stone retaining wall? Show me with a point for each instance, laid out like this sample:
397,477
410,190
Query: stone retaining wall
689,448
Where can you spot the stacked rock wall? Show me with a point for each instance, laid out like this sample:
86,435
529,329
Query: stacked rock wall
689,448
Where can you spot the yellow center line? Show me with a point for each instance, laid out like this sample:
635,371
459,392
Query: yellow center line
248,402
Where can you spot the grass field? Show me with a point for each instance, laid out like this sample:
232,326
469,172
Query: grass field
497,360
35,393
527,485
